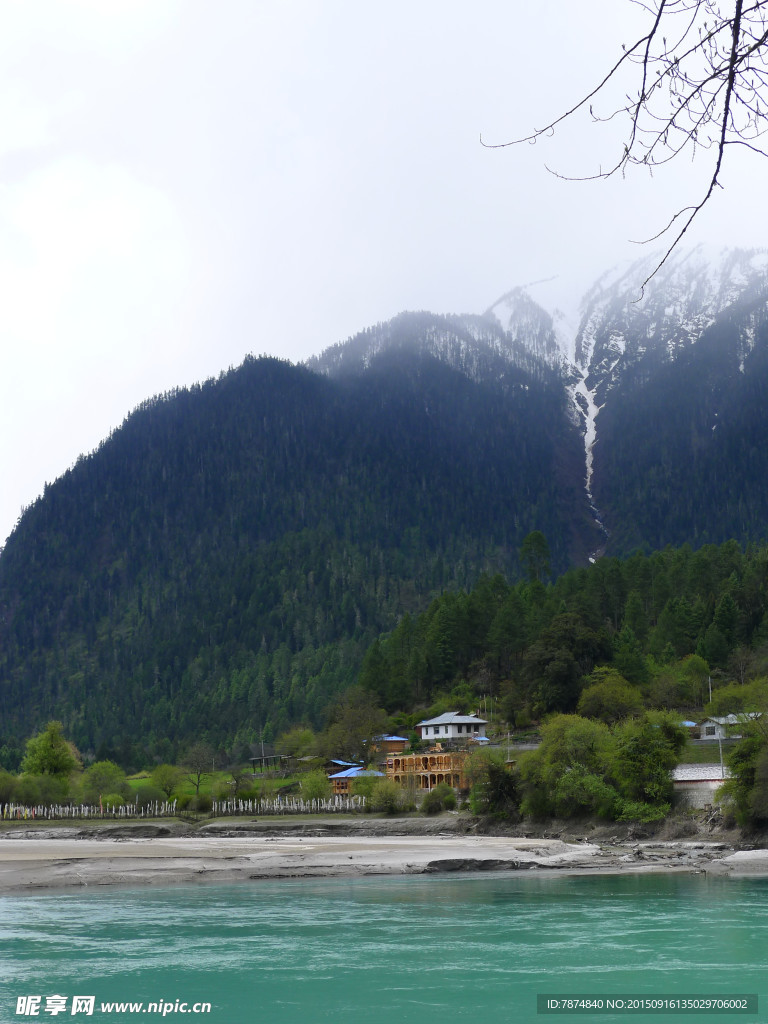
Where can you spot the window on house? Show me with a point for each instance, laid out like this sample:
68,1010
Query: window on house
709,730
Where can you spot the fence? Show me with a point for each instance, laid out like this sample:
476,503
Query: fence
51,812
168,809
290,805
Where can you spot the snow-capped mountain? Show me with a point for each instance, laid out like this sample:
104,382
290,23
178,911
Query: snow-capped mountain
233,547
477,346
624,320
657,372
547,335
630,326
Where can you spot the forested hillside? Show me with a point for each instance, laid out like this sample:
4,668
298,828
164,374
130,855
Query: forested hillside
671,378
682,455
649,631
218,567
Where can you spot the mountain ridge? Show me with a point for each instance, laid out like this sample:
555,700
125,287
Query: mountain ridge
627,326
224,559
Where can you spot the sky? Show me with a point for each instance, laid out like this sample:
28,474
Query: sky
183,183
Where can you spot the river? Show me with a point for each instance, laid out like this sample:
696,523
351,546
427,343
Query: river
418,950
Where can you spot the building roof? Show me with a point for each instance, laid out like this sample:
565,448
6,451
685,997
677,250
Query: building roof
381,739
356,773
738,719
699,773
454,718
344,764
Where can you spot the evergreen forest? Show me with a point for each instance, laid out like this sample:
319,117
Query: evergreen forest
407,513
618,636
218,567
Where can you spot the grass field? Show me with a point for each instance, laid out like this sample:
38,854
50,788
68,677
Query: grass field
705,753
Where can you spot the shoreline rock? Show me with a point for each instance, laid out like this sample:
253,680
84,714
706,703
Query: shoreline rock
226,850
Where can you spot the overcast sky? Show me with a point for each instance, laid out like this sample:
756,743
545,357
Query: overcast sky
184,182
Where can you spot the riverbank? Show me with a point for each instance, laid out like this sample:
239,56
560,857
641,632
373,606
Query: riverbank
230,850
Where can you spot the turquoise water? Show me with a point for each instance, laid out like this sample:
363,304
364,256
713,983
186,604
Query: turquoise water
370,951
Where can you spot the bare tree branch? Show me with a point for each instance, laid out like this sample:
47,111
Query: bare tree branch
721,149
705,90
553,124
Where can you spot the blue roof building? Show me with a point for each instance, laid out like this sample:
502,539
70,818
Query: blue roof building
341,780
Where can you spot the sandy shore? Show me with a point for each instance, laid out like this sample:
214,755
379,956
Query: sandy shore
60,858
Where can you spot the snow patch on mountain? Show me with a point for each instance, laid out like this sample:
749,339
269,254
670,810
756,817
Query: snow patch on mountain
477,346
544,334
636,316
627,315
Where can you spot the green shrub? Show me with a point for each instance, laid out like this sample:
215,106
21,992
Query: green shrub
388,798
609,698
167,777
49,753
27,790
111,801
201,803
228,790
41,789
53,789
494,785
365,786
223,790
145,795
7,787
441,798
103,777
636,810
431,803
586,767
315,786
523,719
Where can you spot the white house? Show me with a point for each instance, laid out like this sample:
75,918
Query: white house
723,728
452,726
695,785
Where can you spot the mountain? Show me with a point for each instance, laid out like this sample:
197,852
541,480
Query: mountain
220,565
669,381
679,379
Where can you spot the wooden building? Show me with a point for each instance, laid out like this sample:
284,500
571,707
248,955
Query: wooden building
425,771
342,781
389,744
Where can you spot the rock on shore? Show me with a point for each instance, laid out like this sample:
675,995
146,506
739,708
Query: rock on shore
231,850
